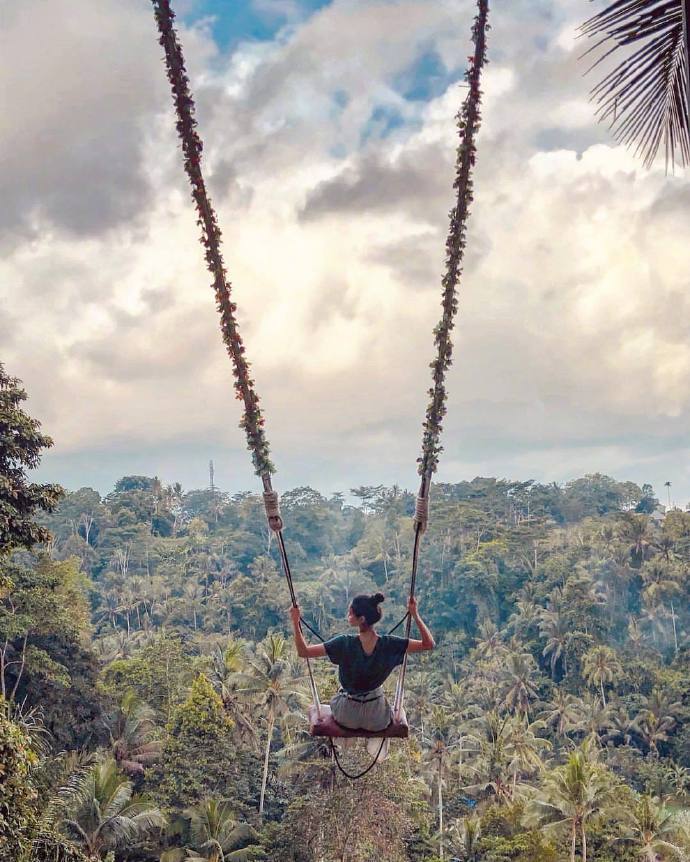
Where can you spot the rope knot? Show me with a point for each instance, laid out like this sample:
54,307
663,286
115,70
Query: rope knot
275,522
421,513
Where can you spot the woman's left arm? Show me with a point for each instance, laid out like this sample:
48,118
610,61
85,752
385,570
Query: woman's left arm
304,650
427,642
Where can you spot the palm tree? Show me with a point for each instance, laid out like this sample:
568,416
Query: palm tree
679,778
655,619
464,836
491,643
525,618
519,681
595,718
193,594
621,727
661,583
101,814
667,485
131,728
421,692
272,681
659,579
655,719
635,530
441,728
601,665
308,760
667,546
490,766
570,796
654,831
646,95
525,748
561,713
217,836
226,678
554,630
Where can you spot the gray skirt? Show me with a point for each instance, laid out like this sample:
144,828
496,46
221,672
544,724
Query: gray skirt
370,711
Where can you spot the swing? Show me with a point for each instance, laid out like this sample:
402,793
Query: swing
321,721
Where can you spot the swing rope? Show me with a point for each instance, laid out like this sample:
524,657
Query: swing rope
252,422
356,775
468,121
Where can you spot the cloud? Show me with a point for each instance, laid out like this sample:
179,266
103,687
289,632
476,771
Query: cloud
571,350
73,115
376,183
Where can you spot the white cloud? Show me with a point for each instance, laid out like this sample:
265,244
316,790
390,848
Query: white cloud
572,341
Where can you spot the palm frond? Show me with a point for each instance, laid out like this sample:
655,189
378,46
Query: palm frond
645,96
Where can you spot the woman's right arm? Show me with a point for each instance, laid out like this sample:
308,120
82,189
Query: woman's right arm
304,650
427,642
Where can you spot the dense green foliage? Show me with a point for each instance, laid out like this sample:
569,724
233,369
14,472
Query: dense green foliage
552,720
155,710
21,443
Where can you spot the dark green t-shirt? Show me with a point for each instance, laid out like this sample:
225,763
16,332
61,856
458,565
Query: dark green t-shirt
360,672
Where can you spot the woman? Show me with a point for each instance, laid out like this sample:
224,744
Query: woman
365,661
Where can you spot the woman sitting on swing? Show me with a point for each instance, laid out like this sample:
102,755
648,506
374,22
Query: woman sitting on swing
365,661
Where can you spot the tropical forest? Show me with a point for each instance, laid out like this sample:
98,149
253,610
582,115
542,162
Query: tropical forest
166,693
155,707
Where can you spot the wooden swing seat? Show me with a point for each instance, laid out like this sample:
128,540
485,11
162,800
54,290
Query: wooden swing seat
322,723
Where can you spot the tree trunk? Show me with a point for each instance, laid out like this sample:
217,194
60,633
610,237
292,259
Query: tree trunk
584,842
22,664
3,682
440,810
673,615
603,696
264,780
573,840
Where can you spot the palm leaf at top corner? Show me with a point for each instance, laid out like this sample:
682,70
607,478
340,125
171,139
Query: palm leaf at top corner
645,95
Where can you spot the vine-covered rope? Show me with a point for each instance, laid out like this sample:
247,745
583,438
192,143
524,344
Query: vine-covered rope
252,421
468,122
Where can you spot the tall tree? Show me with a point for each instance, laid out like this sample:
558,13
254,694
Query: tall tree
601,665
655,831
199,758
45,654
570,796
442,732
21,444
271,680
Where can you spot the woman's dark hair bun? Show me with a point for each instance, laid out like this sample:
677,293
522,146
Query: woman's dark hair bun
368,607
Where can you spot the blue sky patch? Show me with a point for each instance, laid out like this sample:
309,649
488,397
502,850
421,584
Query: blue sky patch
427,78
384,119
244,20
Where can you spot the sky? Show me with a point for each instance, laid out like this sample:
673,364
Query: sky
329,146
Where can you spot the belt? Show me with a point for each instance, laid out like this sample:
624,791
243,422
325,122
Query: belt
363,698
